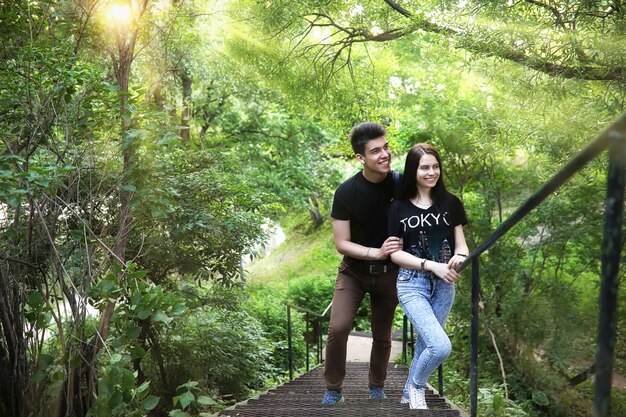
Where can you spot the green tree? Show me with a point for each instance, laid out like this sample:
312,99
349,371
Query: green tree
577,41
499,87
92,179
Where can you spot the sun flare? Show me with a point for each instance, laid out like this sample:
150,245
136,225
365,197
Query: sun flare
119,14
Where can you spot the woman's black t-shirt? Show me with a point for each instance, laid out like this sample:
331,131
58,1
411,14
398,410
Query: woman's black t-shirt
427,233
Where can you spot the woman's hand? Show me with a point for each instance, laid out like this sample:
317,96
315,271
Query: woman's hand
443,271
456,261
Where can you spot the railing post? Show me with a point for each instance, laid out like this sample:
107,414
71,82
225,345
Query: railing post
289,348
411,339
306,341
312,319
404,337
319,340
611,253
440,379
474,340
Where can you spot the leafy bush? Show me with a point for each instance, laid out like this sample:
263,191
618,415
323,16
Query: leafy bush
267,306
312,293
118,393
618,402
315,294
578,401
492,403
226,351
575,402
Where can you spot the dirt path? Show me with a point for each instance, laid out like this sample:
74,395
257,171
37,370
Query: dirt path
359,348
619,381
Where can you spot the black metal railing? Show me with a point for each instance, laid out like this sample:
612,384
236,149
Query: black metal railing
314,322
613,139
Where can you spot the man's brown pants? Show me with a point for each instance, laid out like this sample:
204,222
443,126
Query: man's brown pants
350,289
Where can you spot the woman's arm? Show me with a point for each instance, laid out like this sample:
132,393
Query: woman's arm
406,260
441,270
460,248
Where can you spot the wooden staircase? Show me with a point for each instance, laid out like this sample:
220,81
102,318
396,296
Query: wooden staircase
303,396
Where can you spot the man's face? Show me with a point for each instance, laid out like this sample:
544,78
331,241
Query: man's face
377,156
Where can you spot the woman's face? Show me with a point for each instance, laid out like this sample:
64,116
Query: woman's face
428,172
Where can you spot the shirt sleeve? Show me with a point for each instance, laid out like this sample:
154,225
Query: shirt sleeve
339,211
458,216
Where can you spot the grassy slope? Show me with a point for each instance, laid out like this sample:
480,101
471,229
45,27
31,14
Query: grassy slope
306,252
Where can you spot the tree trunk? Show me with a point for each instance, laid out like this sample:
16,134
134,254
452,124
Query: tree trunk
186,112
314,210
158,97
13,363
83,377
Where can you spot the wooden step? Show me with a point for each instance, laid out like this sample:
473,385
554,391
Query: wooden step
302,397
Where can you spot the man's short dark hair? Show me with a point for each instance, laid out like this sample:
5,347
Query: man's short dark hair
363,133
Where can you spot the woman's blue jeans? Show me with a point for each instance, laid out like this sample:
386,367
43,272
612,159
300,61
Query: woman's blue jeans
426,301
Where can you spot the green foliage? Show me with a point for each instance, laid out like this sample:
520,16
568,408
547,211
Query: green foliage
266,304
224,352
277,148
577,401
118,393
492,403
208,243
188,399
302,273
312,293
229,125
618,401
314,85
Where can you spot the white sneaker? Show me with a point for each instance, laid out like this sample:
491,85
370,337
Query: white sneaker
417,398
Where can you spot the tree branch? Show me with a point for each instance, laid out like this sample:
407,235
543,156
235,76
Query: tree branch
395,6
495,345
557,14
489,46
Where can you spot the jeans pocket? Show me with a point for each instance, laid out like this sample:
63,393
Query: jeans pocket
405,275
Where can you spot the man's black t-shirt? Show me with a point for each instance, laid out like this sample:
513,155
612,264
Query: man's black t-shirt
427,233
365,205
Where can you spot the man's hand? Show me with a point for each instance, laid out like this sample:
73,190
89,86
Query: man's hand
390,245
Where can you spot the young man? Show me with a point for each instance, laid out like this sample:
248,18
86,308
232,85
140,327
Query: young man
359,215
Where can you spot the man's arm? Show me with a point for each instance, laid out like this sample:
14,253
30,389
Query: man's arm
341,234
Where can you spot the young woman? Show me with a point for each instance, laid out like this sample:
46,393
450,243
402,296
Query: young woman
430,222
